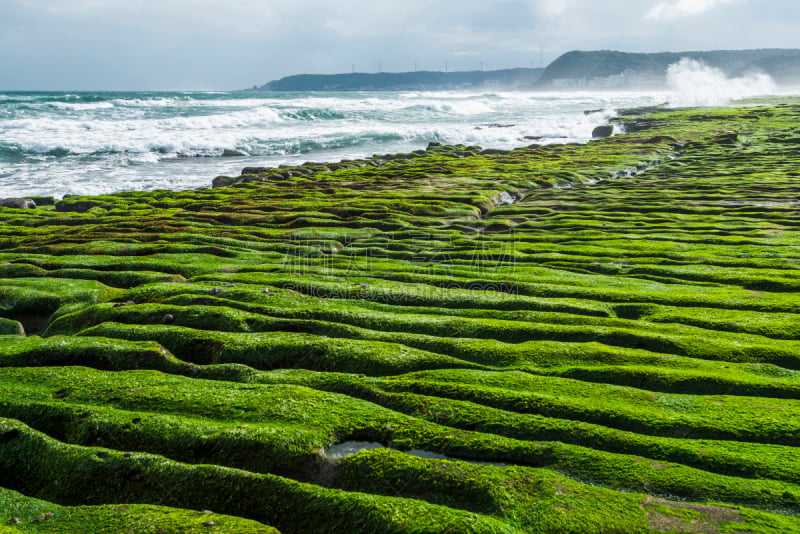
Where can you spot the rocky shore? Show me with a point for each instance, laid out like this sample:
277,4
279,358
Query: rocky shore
562,338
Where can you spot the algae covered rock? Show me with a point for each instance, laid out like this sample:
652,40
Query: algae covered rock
560,339
9,327
223,181
26,514
80,206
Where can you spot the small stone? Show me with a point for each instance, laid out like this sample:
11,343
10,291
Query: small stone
128,454
42,517
192,368
215,291
206,512
168,318
126,303
212,524
14,520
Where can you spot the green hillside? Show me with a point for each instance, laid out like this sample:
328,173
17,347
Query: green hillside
404,81
585,65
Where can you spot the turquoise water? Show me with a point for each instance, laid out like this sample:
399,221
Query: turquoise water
92,143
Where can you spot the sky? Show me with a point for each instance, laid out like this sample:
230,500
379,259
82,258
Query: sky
234,44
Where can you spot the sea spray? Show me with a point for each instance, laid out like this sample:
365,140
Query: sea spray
697,84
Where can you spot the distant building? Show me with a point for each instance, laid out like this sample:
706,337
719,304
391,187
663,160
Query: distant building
626,78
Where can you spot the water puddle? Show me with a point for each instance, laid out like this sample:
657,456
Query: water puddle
505,199
348,448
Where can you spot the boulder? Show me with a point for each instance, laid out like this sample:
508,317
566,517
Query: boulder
603,131
223,181
233,153
19,203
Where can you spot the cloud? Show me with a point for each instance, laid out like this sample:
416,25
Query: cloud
683,8
223,44
553,8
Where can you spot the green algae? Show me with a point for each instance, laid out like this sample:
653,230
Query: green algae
100,353
616,322
70,474
9,327
223,423
537,500
25,514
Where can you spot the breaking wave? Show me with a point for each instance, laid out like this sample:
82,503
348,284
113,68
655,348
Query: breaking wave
697,84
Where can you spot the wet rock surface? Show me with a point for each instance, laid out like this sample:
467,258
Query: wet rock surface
18,203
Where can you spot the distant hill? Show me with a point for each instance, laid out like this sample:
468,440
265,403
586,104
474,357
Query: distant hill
608,68
407,81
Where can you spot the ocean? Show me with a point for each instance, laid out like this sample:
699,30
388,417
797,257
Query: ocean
89,143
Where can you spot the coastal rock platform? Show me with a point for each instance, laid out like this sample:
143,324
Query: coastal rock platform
561,339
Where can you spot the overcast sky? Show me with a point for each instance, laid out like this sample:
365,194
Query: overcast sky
232,44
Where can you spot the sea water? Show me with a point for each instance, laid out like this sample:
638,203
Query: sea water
61,143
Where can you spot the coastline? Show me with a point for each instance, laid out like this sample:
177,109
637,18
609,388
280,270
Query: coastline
99,143
570,332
